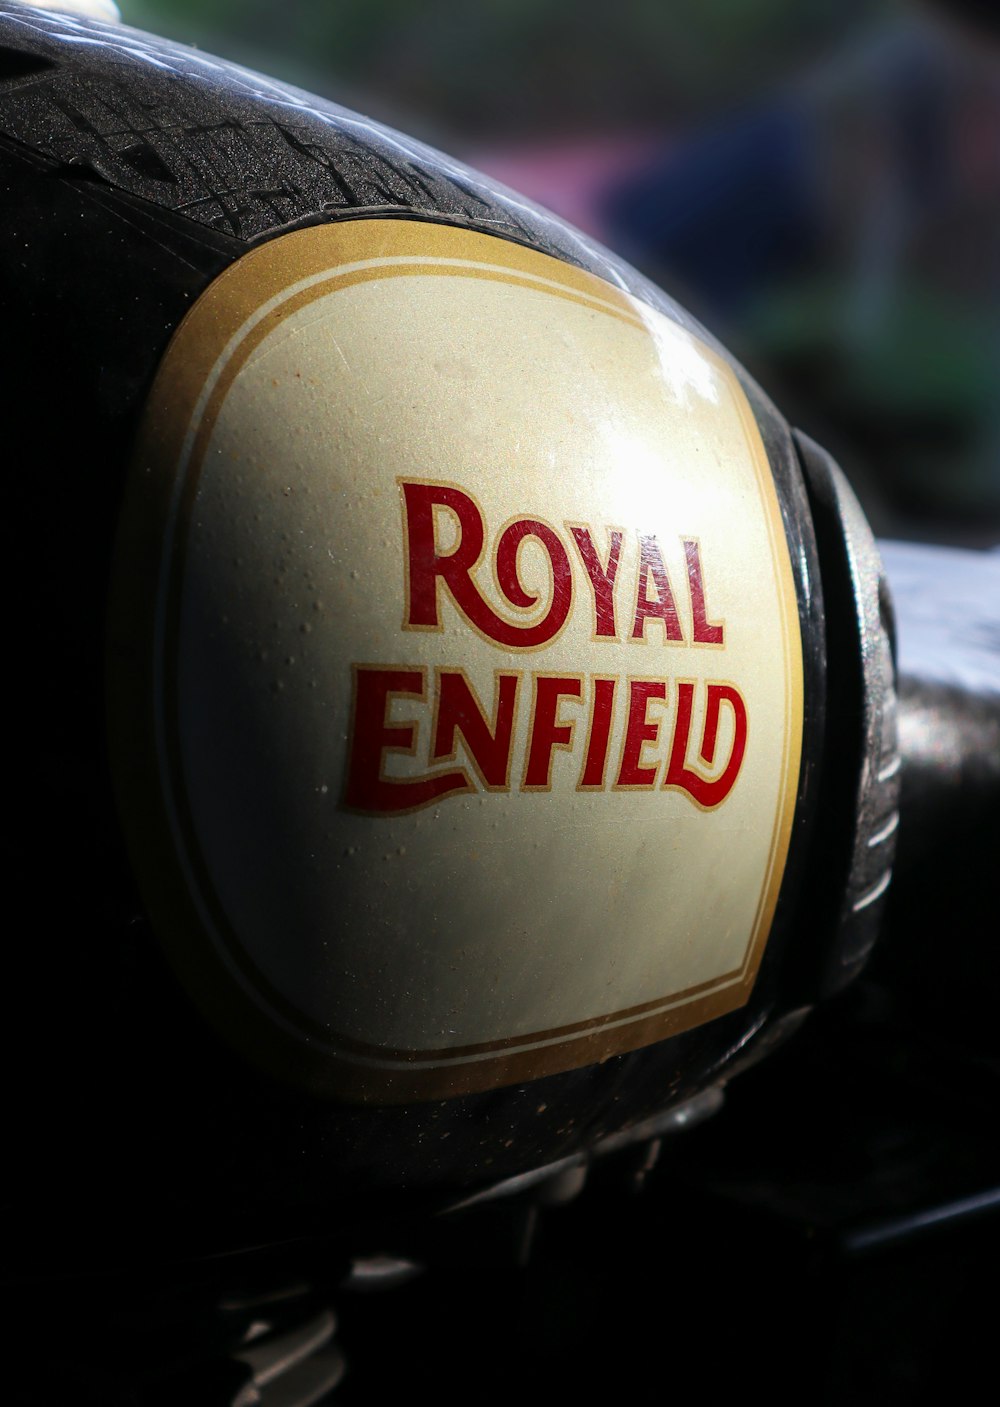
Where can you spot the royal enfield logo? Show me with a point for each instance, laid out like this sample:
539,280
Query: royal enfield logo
456,675
569,711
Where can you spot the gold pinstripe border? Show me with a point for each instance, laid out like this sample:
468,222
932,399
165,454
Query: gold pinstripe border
233,317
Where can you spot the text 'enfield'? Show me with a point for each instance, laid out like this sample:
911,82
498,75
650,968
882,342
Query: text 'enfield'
422,733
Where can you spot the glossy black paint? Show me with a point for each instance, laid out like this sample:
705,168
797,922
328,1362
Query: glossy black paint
132,172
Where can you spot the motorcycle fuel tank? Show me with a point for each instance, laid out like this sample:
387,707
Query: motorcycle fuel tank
462,621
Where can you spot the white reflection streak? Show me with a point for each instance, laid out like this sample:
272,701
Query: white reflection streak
686,371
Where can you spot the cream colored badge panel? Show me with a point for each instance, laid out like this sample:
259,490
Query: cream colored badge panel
479,671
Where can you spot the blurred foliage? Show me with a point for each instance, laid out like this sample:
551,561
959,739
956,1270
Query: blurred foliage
905,395
896,366
500,68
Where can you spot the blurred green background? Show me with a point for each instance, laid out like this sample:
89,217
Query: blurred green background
818,180
499,68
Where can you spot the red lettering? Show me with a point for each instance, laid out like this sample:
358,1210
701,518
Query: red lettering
638,732
547,732
601,578
600,734
705,632
707,792
458,711
510,584
368,789
425,565
662,606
